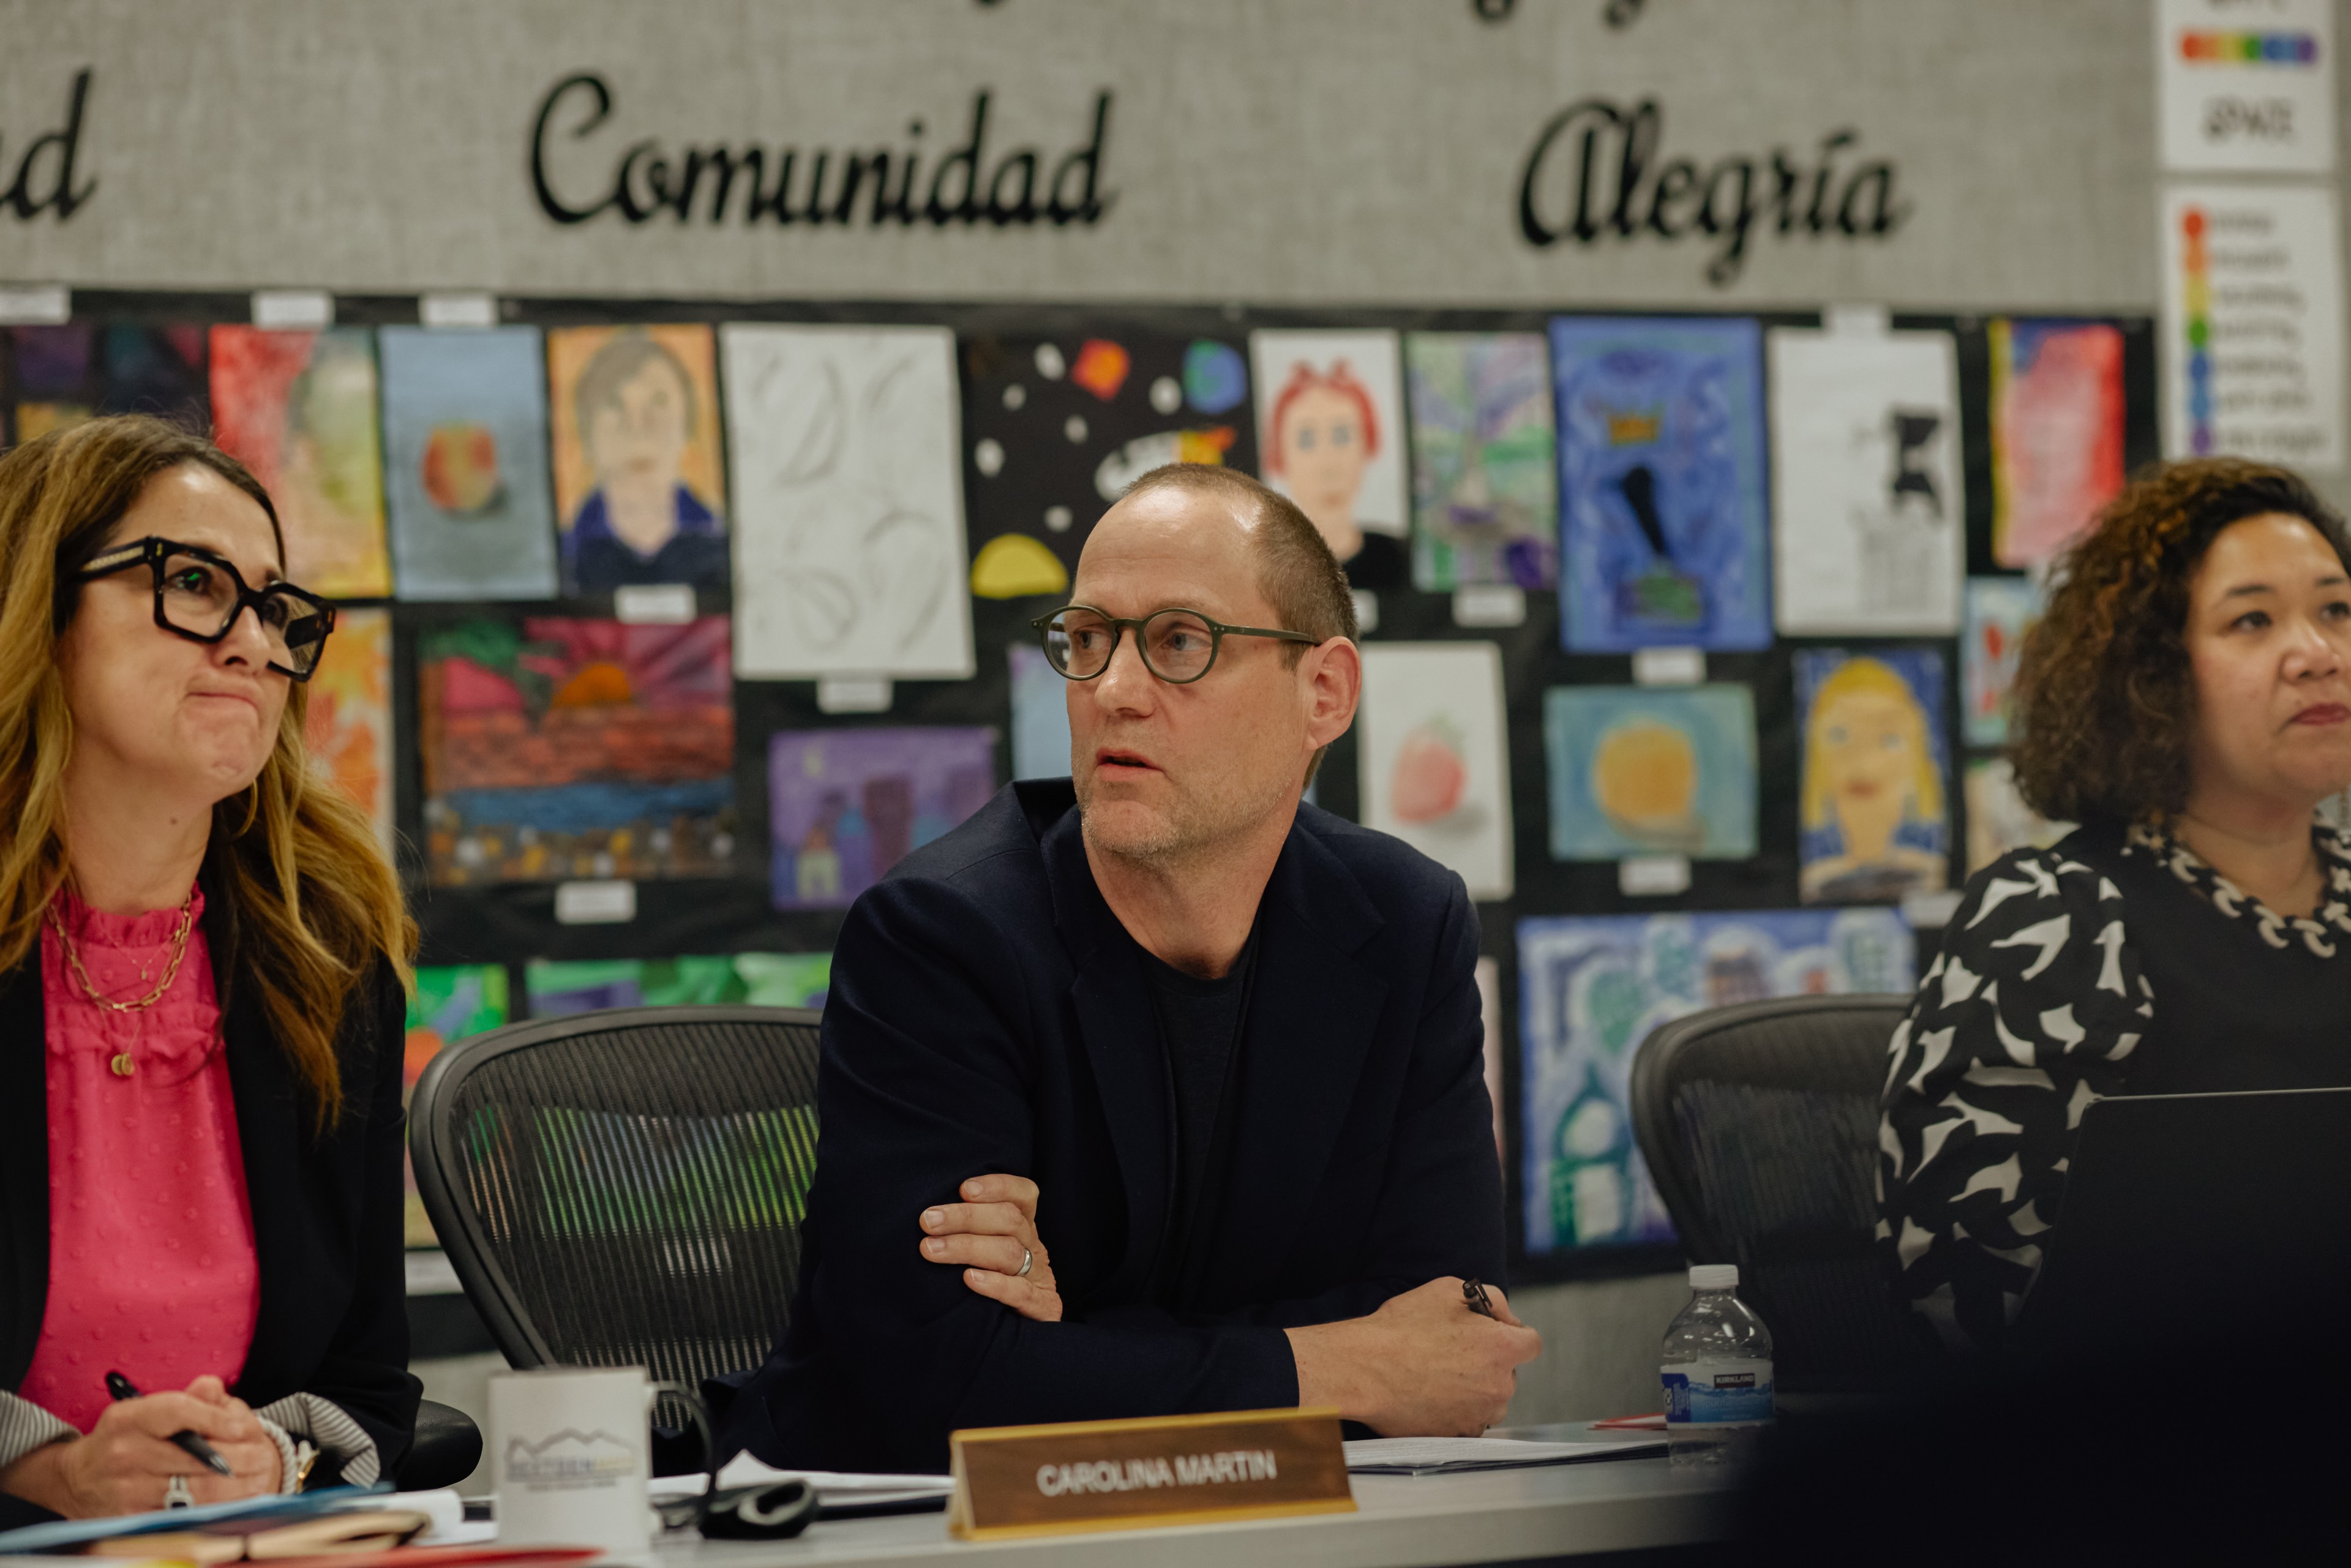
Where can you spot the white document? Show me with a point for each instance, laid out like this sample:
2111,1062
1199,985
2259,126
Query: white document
1433,757
2252,324
832,1487
1868,512
1451,1455
843,446
2246,88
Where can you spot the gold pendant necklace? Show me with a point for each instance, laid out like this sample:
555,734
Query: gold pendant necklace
122,1063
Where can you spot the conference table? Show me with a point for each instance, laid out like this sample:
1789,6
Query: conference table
1401,1521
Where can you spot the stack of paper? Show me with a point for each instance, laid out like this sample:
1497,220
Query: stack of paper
1454,1456
835,1490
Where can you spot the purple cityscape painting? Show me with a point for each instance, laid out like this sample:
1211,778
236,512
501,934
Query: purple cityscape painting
846,805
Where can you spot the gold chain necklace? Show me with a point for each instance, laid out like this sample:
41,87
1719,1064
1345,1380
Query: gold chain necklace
122,1063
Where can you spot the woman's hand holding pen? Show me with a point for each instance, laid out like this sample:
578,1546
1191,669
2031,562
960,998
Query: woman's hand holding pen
989,1233
128,1459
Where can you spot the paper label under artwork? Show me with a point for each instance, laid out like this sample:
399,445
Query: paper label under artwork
1592,988
842,453
1433,758
1868,511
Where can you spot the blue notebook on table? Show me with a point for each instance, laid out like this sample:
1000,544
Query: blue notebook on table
68,1533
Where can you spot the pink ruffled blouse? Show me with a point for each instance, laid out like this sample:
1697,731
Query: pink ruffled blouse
152,1268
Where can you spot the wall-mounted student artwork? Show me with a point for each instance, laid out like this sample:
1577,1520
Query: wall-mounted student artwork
1998,819
1485,487
842,449
1433,757
1876,774
299,410
846,805
1591,989
347,724
559,747
2001,610
1055,429
449,1003
639,484
1040,715
464,430
1330,419
2056,433
1661,484
1868,516
1638,771
55,377
560,987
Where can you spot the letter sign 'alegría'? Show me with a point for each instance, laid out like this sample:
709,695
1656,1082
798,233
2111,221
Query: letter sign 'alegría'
1594,173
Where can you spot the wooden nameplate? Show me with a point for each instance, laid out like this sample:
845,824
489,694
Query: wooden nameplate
1131,1475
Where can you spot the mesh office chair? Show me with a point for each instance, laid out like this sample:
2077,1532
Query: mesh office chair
626,1188
1759,1123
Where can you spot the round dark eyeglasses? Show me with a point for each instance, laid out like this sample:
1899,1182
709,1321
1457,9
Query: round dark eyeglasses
199,594
1179,646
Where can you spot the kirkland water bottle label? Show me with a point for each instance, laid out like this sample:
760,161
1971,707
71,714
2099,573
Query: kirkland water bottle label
1718,1392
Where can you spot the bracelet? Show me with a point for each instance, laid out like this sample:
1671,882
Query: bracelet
293,1464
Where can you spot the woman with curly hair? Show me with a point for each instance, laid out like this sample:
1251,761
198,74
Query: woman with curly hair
2187,699
202,959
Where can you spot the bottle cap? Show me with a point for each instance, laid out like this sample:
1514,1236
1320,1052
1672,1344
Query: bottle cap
1713,1276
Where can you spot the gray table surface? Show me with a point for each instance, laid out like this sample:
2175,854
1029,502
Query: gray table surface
1494,1516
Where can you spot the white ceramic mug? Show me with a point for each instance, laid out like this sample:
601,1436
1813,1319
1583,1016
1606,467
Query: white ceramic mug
571,1455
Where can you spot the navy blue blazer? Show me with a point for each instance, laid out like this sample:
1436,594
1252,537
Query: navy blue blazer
988,1013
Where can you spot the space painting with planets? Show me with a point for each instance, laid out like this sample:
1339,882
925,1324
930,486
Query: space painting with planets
1055,429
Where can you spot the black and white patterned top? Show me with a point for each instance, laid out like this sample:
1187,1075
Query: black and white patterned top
2042,1000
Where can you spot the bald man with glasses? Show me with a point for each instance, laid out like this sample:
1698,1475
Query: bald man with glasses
1154,1089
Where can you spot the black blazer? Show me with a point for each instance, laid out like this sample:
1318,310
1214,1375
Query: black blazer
333,1317
988,1013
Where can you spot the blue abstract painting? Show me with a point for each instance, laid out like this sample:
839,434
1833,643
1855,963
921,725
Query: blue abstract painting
1593,988
1651,771
1664,517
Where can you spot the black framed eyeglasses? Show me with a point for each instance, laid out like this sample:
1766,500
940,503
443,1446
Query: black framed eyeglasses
1179,646
199,594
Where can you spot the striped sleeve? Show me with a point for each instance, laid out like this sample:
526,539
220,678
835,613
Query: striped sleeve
331,1428
24,1426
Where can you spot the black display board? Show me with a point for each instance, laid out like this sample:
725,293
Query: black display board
512,924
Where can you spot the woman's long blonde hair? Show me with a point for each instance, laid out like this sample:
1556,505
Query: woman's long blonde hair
294,875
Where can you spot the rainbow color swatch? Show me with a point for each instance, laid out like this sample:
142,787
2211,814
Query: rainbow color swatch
2216,47
2195,300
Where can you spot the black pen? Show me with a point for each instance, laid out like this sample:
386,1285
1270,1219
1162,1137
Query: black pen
1474,1293
122,1388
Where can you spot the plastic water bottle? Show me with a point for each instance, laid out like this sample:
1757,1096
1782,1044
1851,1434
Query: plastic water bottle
1716,1367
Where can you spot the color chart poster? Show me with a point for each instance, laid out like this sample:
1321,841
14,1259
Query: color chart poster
2252,324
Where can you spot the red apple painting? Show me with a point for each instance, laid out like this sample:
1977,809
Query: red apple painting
1432,764
1430,777
461,468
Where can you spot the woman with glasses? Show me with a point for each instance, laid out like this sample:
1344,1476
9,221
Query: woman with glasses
202,959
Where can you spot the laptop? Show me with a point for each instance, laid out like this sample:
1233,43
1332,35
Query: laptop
2197,1218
